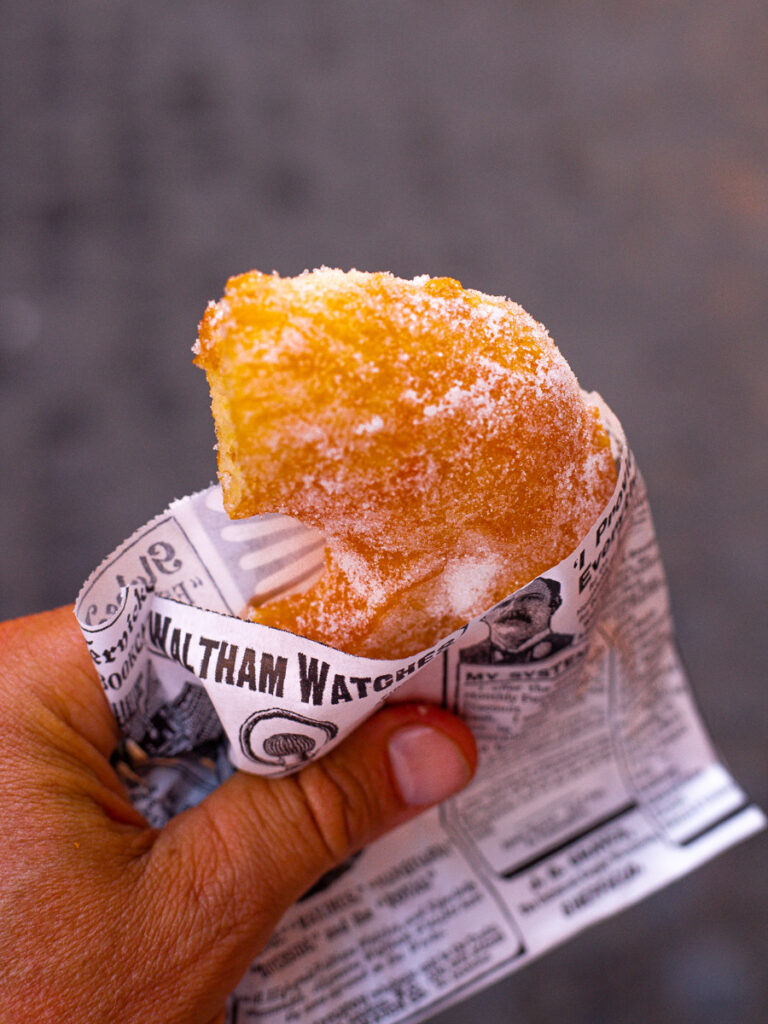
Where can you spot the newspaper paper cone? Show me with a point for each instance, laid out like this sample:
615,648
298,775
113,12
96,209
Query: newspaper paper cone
597,781
160,617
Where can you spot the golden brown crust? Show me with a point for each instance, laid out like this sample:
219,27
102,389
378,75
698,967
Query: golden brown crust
435,434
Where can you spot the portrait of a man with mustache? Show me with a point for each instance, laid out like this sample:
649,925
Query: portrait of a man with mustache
520,628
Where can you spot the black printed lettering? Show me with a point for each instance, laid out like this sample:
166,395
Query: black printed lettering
163,557
362,685
225,663
247,673
208,646
158,630
312,682
339,690
178,652
272,675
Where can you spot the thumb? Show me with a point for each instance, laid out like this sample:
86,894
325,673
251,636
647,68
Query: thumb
233,865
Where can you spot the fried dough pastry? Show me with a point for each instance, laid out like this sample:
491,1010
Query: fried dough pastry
434,434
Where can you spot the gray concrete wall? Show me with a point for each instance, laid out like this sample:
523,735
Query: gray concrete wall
606,165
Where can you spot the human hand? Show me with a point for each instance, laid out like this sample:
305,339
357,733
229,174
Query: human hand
104,918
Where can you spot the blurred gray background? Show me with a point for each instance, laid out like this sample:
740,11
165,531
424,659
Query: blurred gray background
604,164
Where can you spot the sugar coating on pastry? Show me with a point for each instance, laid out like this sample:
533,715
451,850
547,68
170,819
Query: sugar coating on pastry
433,433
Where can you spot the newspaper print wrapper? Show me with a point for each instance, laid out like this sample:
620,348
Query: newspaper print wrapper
597,781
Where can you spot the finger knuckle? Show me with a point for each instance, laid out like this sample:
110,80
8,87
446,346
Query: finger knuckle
340,807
